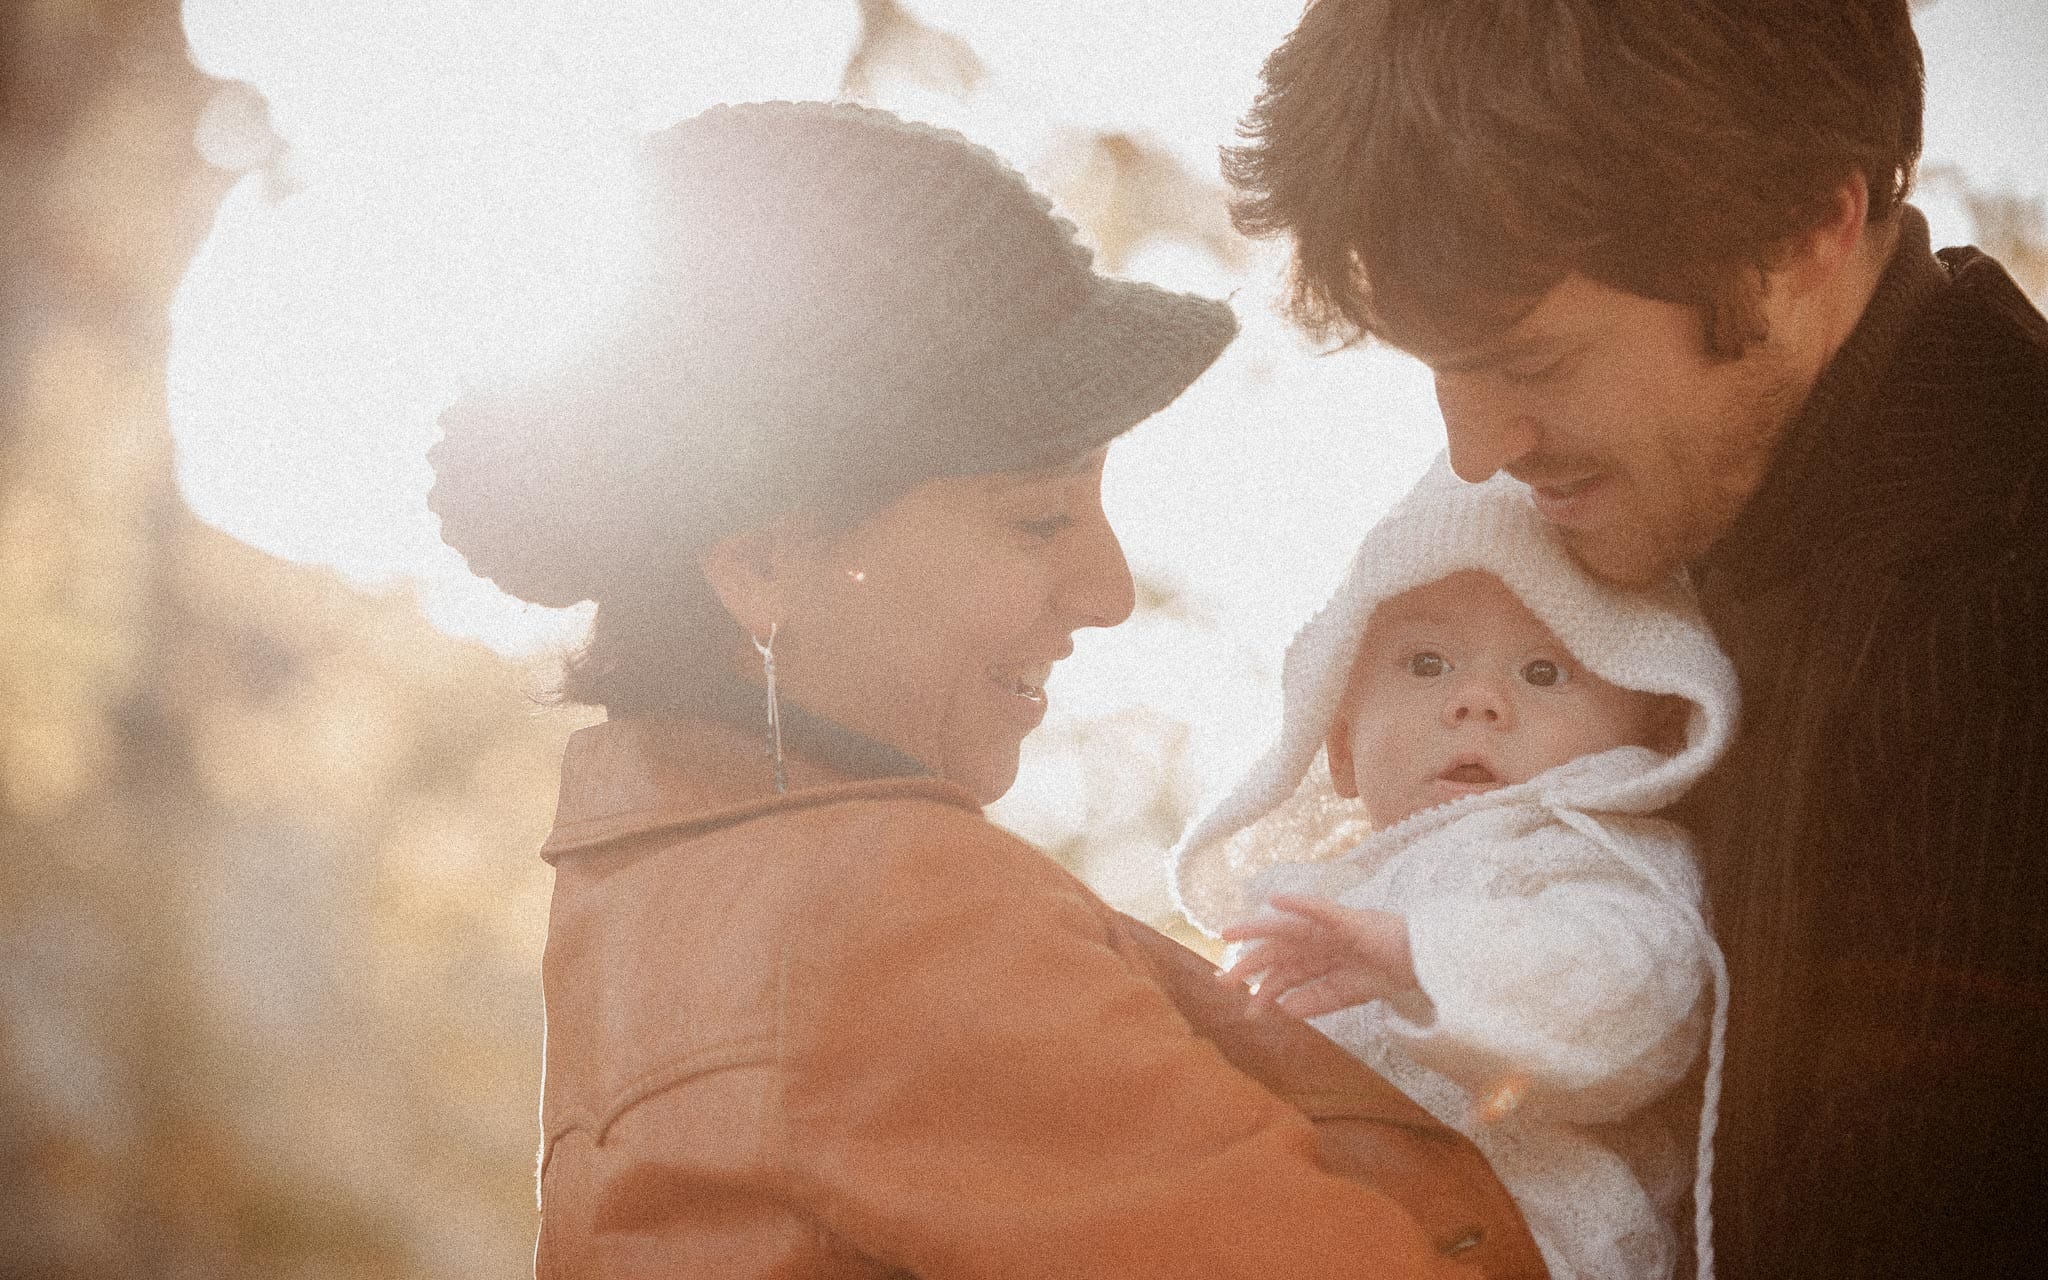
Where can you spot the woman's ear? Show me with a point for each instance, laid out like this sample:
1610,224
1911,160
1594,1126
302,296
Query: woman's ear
1337,746
754,572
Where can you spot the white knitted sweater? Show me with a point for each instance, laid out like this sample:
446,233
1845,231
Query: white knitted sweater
1567,976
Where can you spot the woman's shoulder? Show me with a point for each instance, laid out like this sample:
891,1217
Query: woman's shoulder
911,846
933,895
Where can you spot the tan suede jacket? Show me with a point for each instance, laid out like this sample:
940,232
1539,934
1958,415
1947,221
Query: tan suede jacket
859,1031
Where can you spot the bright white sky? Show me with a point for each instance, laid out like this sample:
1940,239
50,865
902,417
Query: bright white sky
454,205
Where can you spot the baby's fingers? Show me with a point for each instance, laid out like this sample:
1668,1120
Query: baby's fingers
1270,970
1274,925
1250,963
1310,913
1338,989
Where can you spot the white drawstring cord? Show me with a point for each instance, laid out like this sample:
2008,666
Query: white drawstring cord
1717,1035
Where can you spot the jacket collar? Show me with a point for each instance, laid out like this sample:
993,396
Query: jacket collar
1795,507
677,775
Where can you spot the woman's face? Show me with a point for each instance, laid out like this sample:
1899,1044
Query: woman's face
933,625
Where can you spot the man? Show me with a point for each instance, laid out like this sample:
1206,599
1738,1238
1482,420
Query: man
1658,255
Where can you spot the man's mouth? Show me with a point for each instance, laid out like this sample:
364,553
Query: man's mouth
1567,502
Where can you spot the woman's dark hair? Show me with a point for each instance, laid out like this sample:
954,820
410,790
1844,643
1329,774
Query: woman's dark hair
661,636
1441,164
651,649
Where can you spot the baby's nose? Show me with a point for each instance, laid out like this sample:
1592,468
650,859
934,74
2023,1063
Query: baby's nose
1478,700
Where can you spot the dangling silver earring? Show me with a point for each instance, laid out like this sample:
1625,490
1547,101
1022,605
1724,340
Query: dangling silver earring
766,648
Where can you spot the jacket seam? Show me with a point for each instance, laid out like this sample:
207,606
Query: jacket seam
582,834
721,1057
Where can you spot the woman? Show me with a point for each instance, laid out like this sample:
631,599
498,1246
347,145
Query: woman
835,486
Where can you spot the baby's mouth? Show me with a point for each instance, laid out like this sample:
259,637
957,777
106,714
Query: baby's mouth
1471,773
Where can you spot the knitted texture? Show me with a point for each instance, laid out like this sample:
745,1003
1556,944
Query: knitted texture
1653,640
839,305
1560,1001
1566,971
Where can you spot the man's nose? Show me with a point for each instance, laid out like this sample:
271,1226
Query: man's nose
1487,426
1478,700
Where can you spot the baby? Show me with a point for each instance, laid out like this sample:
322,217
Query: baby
1473,898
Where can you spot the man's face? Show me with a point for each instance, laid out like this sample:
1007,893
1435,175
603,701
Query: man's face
1639,447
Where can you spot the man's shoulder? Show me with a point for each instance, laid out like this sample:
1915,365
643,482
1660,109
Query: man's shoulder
1976,353
1949,468
1980,283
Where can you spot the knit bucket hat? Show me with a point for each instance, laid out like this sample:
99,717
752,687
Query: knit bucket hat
1284,807
840,305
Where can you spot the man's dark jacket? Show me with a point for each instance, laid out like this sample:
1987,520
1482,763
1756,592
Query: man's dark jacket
1876,842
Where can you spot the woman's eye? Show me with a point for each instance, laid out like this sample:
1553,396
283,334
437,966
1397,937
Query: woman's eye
1542,672
1043,529
1427,665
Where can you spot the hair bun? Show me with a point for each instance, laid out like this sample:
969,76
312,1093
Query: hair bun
504,509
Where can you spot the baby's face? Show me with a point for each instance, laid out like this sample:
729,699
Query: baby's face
1458,688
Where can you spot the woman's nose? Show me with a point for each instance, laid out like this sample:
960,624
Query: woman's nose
1479,700
1098,591
1485,424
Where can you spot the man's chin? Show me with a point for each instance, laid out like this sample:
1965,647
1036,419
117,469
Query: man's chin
1619,560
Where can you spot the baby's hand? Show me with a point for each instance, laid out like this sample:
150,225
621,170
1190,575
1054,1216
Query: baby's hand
1310,956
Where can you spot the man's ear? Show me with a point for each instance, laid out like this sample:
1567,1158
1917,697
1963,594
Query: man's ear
1821,254
754,572
1338,747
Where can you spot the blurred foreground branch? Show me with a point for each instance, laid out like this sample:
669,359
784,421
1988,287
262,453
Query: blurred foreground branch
269,916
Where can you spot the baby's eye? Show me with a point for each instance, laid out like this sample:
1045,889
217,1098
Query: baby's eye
1427,664
1542,672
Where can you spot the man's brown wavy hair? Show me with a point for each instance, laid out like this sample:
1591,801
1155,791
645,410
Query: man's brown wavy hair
1440,164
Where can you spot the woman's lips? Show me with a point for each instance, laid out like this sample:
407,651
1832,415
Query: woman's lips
1023,690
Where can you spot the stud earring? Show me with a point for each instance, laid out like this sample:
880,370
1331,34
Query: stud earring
766,648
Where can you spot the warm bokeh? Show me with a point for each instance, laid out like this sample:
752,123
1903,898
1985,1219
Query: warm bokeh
268,926
269,917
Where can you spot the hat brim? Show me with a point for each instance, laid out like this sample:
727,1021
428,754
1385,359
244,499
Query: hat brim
1125,354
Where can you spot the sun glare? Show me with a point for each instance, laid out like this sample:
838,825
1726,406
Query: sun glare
437,195
436,192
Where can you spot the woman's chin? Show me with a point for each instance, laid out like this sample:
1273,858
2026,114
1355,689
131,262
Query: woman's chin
987,776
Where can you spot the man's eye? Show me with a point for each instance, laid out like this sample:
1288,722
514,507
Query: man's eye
1427,665
1542,672
1528,375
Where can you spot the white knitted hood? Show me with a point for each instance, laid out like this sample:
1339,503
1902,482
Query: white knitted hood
1651,640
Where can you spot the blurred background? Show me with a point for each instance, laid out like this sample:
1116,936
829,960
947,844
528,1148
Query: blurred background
273,765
